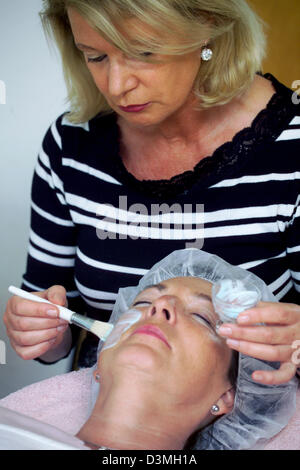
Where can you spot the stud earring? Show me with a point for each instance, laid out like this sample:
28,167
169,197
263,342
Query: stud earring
214,409
97,377
206,54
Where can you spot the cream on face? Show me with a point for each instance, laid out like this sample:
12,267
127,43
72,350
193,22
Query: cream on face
126,321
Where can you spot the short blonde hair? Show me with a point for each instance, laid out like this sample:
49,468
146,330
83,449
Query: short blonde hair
230,27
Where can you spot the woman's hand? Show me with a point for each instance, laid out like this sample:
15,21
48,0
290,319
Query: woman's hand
35,328
278,340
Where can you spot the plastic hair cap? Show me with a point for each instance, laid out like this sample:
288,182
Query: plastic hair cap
260,411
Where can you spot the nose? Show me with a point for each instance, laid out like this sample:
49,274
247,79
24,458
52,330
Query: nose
121,78
164,308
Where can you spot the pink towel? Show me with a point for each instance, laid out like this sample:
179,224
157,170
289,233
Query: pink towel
63,401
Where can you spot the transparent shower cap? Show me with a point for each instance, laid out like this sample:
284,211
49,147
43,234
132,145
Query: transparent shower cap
260,411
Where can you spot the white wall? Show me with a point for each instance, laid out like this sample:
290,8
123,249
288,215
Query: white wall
35,94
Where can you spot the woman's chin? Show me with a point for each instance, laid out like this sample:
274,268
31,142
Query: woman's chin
140,357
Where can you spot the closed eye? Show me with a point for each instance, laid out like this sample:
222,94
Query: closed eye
141,302
102,57
96,59
201,317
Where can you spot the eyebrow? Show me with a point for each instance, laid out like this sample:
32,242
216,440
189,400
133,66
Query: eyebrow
162,287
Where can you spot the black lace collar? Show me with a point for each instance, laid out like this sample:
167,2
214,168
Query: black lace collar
267,126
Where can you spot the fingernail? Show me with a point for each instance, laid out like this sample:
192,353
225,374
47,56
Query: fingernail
59,299
233,342
62,328
52,313
243,319
257,376
225,330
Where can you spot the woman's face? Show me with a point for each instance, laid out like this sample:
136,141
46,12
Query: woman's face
165,87
174,345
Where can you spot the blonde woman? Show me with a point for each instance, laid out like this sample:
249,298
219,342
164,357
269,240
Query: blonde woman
168,116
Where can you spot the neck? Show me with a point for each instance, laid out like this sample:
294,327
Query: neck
119,421
190,125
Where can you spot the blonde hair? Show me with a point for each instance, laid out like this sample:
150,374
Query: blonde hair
229,27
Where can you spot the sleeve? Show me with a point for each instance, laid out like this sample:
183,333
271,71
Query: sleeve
293,244
53,235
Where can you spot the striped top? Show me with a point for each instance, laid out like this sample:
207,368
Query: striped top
96,228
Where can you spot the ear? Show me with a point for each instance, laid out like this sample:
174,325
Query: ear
226,402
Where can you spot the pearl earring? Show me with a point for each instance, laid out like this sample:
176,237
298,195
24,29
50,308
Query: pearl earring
206,54
214,409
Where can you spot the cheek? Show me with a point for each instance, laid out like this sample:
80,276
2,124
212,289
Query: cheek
205,357
127,320
99,79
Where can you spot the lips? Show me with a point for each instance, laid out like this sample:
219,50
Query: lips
152,330
134,108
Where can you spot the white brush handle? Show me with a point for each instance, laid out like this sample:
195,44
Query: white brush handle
64,313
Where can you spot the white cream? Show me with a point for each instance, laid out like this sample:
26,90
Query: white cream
230,298
125,322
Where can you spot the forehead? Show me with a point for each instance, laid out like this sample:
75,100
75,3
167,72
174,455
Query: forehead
183,285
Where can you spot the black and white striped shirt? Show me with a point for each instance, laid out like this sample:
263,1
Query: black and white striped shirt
95,228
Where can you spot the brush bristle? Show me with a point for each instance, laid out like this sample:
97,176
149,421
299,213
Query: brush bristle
102,329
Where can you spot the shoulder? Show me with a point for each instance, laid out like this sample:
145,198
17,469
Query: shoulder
280,120
76,140
63,127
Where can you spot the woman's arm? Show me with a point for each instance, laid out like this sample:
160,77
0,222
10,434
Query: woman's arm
52,241
279,338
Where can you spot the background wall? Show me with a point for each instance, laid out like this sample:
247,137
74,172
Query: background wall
282,18
35,95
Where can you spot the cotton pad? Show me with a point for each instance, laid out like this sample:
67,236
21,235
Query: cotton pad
231,297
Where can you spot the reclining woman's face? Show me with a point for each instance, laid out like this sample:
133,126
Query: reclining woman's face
173,346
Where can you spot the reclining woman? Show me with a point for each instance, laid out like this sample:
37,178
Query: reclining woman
169,374
166,373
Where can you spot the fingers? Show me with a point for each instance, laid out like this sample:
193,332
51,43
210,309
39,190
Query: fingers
33,327
57,295
284,374
29,308
261,334
32,338
21,323
271,313
264,352
22,307
32,352
267,332
29,346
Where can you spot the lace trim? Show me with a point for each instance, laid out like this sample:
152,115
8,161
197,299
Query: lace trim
266,127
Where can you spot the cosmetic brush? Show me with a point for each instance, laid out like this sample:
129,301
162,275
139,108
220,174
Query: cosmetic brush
99,328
